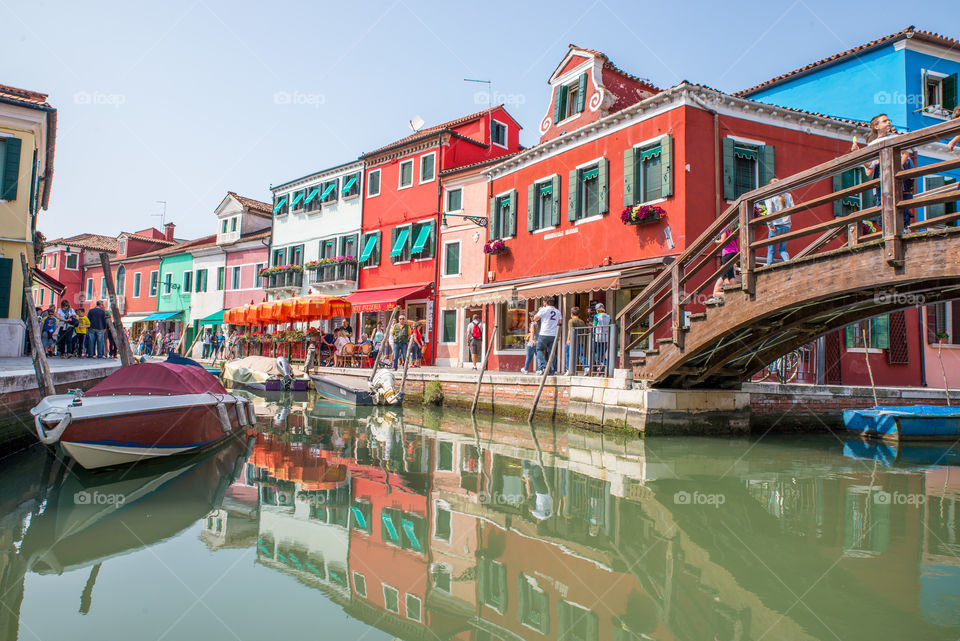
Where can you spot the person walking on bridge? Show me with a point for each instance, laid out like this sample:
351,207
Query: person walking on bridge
778,226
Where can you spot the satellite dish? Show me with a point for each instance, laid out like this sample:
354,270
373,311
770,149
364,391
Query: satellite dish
415,124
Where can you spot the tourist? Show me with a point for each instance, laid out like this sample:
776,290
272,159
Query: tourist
341,341
66,322
601,339
549,317
365,341
346,328
112,340
221,343
401,336
377,342
234,343
96,347
778,226
147,342
531,345
575,340
882,129
158,339
48,330
416,345
956,139
475,337
83,324
728,277
327,347
205,344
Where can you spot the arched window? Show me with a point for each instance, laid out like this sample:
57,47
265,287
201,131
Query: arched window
121,277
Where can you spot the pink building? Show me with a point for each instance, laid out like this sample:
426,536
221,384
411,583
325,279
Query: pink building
942,341
243,234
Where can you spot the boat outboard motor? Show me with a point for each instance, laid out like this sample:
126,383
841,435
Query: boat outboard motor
382,387
286,372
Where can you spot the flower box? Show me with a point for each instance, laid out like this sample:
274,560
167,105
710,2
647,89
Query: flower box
495,247
642,214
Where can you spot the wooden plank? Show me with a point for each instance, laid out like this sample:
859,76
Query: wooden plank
936,220
748,259
650,330
823,240
933,168
891,190
543,379
820,200
714,276
483,368
676,311
813,229
37,353
692,270
935,199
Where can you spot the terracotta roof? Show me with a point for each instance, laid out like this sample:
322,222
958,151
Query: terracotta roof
608,64
423,133
250,203
96,242
488,161
24,96
149,239
37,100
909,32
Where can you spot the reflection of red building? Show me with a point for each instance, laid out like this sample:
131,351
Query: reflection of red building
297,463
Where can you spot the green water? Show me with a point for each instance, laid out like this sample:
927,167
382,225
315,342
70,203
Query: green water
430,525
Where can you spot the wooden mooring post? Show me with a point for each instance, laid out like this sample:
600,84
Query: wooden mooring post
483,368
37,352
543,379
115,325
384,341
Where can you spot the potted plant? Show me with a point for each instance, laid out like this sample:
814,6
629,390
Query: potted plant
640,214
496,246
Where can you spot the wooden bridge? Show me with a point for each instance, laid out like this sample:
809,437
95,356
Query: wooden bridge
674,336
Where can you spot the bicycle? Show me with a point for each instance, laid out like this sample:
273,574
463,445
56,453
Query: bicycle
786,368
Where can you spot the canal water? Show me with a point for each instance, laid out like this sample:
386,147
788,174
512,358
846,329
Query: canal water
329,523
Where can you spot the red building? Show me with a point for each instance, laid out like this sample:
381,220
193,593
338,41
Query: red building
63,260
401,209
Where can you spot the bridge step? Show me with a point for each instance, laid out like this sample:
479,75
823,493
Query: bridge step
717,303
698,316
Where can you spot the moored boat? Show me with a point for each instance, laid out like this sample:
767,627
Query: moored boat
142,411
381,390
264,374
918,422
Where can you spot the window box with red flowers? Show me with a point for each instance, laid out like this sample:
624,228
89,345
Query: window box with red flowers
496,246
642,214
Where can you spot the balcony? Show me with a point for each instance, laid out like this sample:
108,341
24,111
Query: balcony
226,237
283,280
334,276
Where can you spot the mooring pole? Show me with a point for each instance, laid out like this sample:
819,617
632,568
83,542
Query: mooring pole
483,368
383,341
406,364
543,379
39,356
115,326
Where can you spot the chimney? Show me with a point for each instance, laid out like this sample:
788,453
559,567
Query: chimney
168,231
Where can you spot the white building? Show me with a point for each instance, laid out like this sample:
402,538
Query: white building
316,221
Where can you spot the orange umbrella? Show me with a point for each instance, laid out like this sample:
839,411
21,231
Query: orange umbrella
337,306
268,312
285,311
252,315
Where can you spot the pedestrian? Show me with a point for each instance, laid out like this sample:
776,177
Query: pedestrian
475,339
531,345
205,343
573,344
346,328
48,330
221,343
83,324
882,129
728,277
66,322
416,345
377,342
158,339
601,339
549,317
401,336
96,347
311,361
111,339
778,226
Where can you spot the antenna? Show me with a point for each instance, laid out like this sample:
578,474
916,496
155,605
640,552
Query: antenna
489,84
415,124
163,215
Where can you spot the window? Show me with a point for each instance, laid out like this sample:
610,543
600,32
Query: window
361,513
221,278
943,318
515,324
373,183
939,92
849,204
201,282
569,100
351,185
648,171
89,295
533,604
588,191
746,166
280,256
40,299
503,215
120,282
370,254
444,456
348,245
406,173
577,623
441,528
391,599
328,191
296,255
136,284
493,582
448,326
360,585
9,167
454,200
297,203
154,282
236,278
428,167
103,287
258,278
442,577
543,206
223,227
233,223
451,259
311,202
423,240
413,605
498,134
281,205
933,211
187,281
871,334
53,258
400,244
167,283
71,261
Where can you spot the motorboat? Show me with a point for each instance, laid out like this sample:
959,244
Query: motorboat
917,422
142,411
380,392
264,374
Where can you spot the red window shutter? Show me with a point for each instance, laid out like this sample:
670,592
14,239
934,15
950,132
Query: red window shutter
931,312
832,358
955,322
897,352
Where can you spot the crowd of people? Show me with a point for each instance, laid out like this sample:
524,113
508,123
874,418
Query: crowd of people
66,332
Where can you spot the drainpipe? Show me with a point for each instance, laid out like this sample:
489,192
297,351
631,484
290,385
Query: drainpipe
436,253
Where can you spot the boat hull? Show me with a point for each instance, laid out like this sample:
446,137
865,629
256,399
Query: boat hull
917,423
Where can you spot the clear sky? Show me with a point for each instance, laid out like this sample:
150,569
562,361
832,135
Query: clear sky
181,101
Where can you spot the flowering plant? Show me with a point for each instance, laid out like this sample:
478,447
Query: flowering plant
280,269
641,214
494,247
336,260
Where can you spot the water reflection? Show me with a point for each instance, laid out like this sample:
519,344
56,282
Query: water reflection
433,525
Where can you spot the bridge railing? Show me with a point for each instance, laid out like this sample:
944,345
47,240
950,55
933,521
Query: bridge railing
826,214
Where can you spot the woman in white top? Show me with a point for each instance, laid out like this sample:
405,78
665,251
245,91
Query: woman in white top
778,226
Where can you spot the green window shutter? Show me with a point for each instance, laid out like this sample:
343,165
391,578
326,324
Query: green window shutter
11,169
603,182
32,204
582,92
375,256
837,186
949,88
559,103
492,227
555,218
533,203
572,200
6,281
868,197
728,169
512,216
880,332
848,339
629,177
666,165
768,166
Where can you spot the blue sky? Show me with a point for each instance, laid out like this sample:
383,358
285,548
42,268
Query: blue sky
182,101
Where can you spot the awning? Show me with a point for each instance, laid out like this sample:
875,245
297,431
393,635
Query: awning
312,195
128,321
400,243
49,281
379,300
279,204
161,316
610,280
297,199
330,187
350,182
213,319
422,238
484,297
368,247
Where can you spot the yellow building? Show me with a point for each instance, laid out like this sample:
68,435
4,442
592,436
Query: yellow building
28,126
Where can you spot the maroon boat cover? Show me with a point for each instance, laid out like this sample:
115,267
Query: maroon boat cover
157,379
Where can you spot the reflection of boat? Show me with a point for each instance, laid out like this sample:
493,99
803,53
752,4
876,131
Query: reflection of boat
141,411
889,453
919,422
94,516
265,374
381,390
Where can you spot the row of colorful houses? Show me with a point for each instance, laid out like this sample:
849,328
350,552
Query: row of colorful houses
458,219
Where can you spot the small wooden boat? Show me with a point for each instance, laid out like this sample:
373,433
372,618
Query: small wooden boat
142,411
918,422
381,391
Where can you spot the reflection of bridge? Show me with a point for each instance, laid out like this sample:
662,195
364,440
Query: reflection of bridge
842,276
